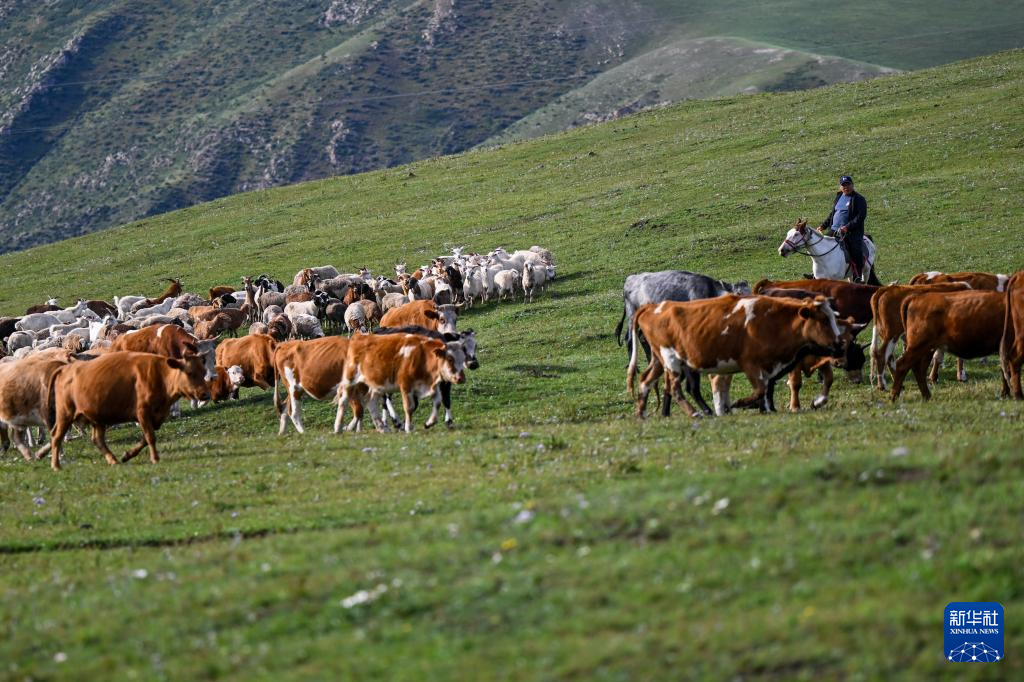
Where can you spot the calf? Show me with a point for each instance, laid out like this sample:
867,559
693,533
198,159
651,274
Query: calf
441,318
226,384
760,336
24,394
848,299
168,340
1011,346
254,354
313,368
886,303
468,340
414,365
968,324
121,387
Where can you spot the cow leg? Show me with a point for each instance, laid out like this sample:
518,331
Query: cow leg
796,381
373,405
435,408
758,397
676,382
295,408
18,436
99,439
913,358
650,376
60,430
720,385
343,399
446,400
5,441
769,394
666,404
149,433
409,406
1013,365
693,388
961,371
827,377
937,358
176,409
389,405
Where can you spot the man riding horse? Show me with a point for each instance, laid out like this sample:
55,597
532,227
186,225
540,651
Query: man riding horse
846,224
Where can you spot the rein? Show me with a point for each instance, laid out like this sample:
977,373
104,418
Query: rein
807,243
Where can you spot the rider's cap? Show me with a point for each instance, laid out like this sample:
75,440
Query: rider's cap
845,180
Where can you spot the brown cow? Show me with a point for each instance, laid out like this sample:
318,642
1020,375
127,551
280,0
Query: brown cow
980,281
415,365
237,316
968,324
1011,347
312,367
886,304
760,336
121,387
426,314
254,354
849,300
24,394
168,340
852,362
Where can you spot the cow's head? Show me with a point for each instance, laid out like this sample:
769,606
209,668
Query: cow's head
453,362
447,315
853,360
821,328
196,379
207,352
468,339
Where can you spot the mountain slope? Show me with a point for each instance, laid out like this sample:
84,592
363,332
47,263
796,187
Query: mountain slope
114,110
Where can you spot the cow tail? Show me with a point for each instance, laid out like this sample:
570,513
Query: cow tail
631,371
50,409
1006,343
618,328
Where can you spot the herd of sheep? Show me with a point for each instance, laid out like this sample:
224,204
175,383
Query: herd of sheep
318,298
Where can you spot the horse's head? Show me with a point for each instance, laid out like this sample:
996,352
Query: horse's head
795,238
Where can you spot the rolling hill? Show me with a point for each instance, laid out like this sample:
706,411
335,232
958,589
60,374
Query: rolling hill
115,110
551,535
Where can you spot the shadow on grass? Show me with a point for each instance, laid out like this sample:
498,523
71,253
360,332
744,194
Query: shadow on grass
542,371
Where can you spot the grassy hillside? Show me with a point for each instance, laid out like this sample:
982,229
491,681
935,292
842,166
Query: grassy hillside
822,545
115,110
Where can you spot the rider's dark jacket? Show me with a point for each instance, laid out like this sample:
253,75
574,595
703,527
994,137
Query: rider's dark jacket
858,212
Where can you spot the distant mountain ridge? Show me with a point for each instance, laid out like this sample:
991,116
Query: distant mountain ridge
115,110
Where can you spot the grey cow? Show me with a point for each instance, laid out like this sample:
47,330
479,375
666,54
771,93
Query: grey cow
669,285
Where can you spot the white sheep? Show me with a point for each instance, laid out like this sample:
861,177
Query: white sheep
158,309
533,279
124,305
505,282
36,322
355,318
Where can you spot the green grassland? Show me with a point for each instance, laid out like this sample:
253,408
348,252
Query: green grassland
551,535
113,110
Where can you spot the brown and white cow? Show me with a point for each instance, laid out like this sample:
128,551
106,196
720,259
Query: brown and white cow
254,354
1011,347
762,337
886,304
313,368
426,314
412,364
968,324
121,387
982,281
225,385
24,394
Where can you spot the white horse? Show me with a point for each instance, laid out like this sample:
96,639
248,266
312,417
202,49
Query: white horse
826,253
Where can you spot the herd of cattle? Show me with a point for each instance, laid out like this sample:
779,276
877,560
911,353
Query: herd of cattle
690,324
98,364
